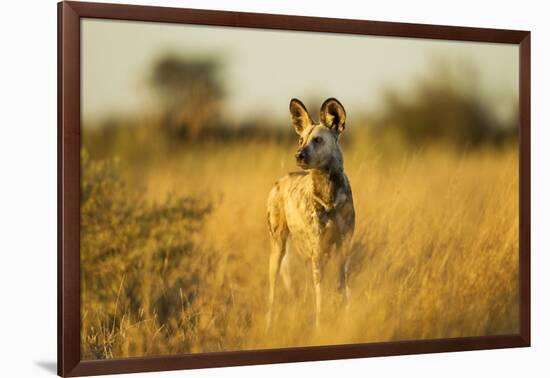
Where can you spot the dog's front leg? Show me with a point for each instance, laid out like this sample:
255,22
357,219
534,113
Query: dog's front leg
344,277
345,253
316,273
275,259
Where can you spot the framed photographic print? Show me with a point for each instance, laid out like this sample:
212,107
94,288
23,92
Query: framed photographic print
240,188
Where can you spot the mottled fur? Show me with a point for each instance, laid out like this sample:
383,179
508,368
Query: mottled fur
314,207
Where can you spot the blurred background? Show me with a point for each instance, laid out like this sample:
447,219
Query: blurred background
186,128
199,81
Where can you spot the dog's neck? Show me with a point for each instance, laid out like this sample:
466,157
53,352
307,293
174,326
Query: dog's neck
327,182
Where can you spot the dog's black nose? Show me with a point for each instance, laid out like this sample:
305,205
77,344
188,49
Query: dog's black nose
301,155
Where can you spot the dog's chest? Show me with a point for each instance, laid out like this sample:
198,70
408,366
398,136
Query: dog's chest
313,207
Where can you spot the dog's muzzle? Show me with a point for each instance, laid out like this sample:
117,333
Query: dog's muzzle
301,156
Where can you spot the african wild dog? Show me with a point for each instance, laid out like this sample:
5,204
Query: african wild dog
314,206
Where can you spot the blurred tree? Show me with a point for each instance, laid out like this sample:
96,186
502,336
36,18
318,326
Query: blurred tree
190,92
443,108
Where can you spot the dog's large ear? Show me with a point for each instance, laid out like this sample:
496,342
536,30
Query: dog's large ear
333,115
300,117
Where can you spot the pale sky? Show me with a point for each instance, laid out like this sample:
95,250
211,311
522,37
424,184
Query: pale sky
264,69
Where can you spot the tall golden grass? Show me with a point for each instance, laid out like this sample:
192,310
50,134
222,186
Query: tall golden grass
175,251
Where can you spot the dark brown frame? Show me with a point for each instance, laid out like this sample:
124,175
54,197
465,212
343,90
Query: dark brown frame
69,15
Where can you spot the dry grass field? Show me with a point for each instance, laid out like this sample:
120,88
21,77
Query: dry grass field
175,250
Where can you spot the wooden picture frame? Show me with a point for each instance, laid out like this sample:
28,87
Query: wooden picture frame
69,86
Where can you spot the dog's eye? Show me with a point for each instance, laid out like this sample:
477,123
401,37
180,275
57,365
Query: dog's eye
317,140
